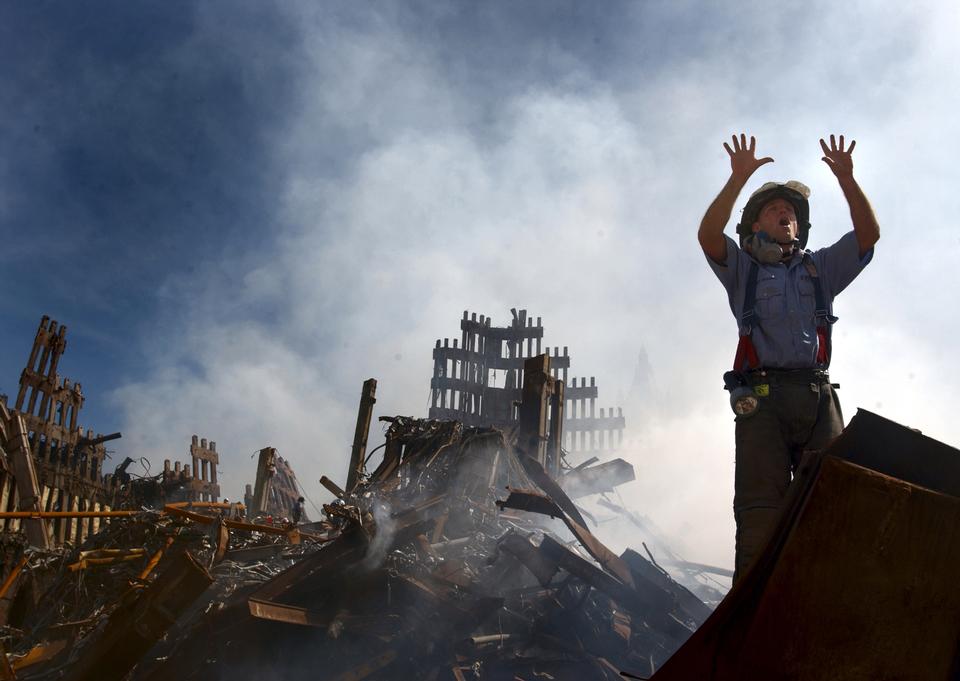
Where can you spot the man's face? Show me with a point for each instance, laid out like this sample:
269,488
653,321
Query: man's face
778,219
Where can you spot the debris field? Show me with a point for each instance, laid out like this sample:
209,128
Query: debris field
458,557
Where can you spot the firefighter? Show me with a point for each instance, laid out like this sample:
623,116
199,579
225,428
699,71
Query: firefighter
296,512
782,298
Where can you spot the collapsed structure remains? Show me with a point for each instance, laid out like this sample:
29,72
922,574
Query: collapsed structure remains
459,553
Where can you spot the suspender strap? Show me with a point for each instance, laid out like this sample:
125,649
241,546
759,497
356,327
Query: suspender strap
746,357
822,315
750,300
822,312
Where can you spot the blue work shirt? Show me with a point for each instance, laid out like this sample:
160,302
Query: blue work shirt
785,330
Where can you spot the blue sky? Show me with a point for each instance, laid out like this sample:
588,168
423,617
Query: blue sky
243,210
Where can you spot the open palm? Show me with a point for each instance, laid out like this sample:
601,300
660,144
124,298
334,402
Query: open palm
839,160
743,159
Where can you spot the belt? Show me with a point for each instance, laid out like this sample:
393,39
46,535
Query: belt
797,376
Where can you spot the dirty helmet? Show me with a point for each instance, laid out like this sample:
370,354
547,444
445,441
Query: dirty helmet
795,192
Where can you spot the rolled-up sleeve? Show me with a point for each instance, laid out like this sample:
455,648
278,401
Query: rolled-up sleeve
839,264
731,273
727,271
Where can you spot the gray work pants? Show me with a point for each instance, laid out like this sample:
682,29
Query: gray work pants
798,415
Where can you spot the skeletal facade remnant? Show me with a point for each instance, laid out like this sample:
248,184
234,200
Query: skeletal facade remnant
464,386
51,466
67,461
275,490
196,482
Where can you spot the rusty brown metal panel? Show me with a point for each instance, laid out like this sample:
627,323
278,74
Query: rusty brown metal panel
858,582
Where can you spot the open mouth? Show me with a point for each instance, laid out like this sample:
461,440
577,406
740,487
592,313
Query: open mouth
784,222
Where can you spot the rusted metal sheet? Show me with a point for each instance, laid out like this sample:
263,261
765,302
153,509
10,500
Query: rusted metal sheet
858,579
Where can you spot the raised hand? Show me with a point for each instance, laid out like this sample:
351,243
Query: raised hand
840,161
743,160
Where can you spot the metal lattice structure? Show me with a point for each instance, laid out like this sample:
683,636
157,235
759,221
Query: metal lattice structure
196,482
276,488
67,462
48,463
465,382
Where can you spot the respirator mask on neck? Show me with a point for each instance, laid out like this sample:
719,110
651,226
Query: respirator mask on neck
765,250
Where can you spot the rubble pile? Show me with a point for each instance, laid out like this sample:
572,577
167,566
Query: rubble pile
458,557
62,599
461,555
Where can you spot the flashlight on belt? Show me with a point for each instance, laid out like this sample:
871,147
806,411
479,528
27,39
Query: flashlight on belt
743,399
